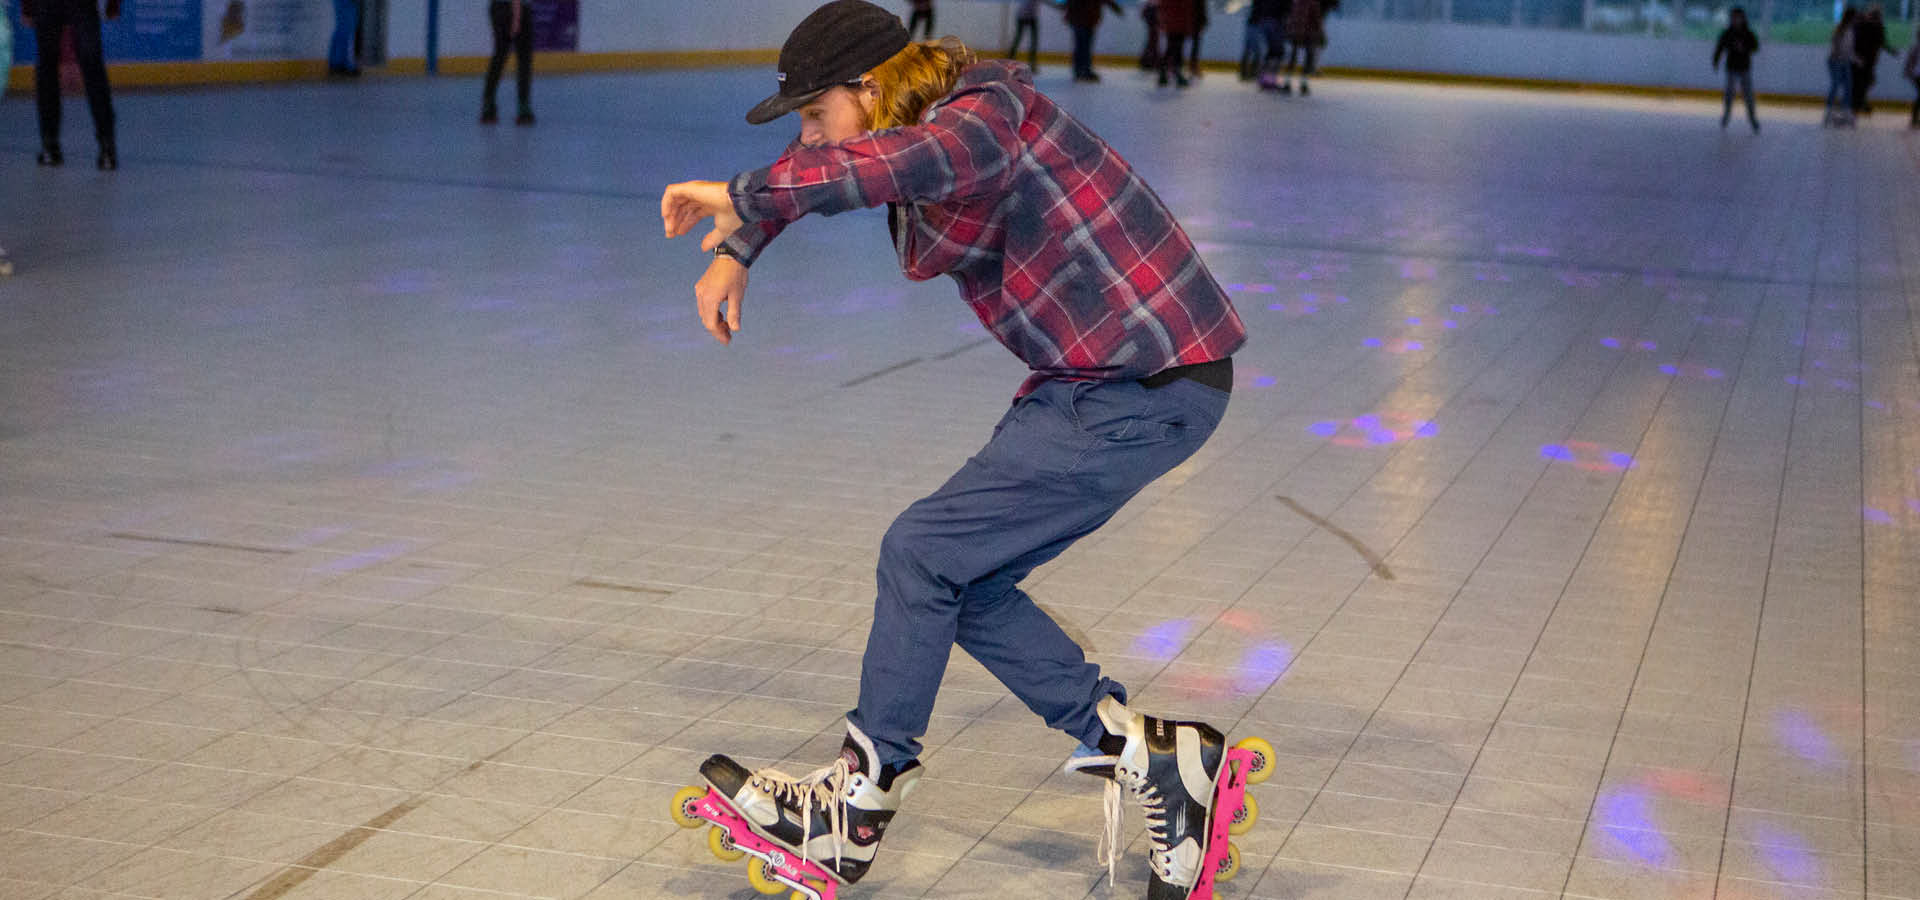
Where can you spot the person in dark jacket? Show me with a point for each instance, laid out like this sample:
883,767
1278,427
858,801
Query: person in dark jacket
1738,44
1272,16
512,22
1083,16
50,20
1177,20
1869,41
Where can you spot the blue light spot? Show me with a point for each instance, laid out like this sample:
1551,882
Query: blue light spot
1370,342
1416,345
1163,641
1796,380
1786,854
1557,451
1277,307
1610,343
1621,460
1669,369
1325,429
1414,321
1262,664
1265,381
1449,323
1426,429
1382,437
1646,345
1457,308
1714,373
1626,816
1367,422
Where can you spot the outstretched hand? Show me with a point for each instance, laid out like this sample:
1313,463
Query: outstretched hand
683,205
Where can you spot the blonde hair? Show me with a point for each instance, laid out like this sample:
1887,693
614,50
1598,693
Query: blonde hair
909,81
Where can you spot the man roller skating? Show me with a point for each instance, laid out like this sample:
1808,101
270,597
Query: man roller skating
1075,266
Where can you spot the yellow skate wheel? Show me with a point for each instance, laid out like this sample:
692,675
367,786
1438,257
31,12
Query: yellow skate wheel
1230,866
682,809
1262,758
762,879
1245,816
721,843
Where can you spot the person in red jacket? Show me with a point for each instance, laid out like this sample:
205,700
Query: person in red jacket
1072,262
52,20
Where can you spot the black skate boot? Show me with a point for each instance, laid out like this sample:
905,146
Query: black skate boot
1169,768
834,816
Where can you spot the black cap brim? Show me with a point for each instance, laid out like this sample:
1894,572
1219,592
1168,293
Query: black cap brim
778,105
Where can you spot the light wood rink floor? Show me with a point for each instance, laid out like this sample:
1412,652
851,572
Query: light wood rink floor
377,522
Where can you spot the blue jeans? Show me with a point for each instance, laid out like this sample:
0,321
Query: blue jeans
1839,84
1744,82
346,21
1061,462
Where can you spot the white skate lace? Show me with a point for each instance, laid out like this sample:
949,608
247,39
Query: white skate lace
820,787
1145,794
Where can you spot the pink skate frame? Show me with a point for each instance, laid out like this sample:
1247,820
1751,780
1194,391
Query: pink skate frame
804,876
1228,794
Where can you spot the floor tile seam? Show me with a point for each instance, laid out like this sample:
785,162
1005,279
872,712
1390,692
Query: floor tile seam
1786,461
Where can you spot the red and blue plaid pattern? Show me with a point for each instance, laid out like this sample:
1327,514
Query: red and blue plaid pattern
1064,253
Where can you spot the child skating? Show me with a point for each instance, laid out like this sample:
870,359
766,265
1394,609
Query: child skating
1075,265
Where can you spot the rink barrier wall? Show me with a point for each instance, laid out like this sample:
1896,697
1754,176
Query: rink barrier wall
190,74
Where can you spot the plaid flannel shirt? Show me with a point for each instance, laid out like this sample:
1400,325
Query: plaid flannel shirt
1063,252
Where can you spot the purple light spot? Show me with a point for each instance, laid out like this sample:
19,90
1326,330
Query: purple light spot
1646,345
1557,451
1310,298
1669,369
1310,309
1840,384
1449,323
1714,373
1164,640
1913,506
1819,363
1426,429
1610,343
1876,516
1236,287
1796,380
1786,854
1458,308
1277,307
1799,733
1626,817
1325,429
1265,381
1876,404
1621,460
1382,436
1262,664
1416,345
1367,422
1414,320
1340,300
1370,342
